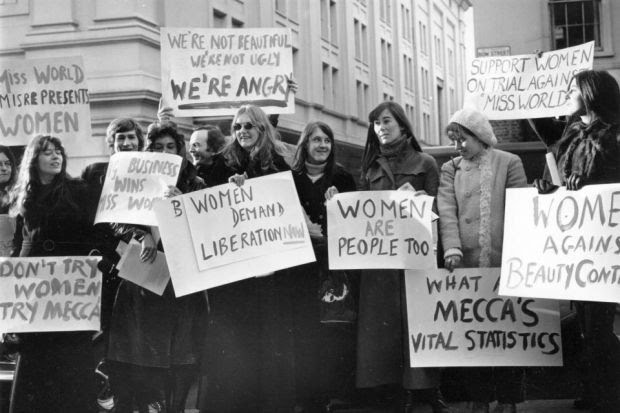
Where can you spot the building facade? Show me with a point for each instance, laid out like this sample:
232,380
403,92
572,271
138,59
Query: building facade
348,56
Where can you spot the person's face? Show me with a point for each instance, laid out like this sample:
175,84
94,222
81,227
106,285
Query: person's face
466,145
247,138
165,144
5,169
575,100
49,162
198,146
126,141
387,128
319,147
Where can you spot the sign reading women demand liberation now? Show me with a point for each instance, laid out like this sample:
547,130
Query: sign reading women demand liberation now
525,86
49,294
564,245
133,181
228,233
380,229
216,71
46,96
457,319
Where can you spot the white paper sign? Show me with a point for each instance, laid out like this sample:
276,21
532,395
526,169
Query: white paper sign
133,181
457,319
380,229
216,71
49,294
153,276
564,245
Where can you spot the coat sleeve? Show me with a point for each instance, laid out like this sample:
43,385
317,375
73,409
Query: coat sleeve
516,174
18,236
448,210
432,178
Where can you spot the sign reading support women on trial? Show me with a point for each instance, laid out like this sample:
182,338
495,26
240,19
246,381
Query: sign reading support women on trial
564,245
227,233
133,181
216,71
380,229
525,86
458,320
49,294
46,96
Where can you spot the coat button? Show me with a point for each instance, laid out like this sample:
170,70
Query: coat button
468,220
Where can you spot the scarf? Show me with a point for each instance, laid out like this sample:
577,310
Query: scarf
315,171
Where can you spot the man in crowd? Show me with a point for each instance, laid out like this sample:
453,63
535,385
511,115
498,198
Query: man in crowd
205,142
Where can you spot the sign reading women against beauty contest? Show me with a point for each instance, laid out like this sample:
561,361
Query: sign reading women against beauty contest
458,320
525,86
227,233
133,181
219,70
564,245
46,96
380,229
49,294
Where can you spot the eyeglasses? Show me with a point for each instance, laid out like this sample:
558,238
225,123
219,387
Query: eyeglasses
246,126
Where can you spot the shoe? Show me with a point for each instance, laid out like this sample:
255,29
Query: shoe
480,407
505,408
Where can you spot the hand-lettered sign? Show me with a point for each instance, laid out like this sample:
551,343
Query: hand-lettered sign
133,181
227,233
215,71
49,294
564,245
46,96
380,229
525,86
457,319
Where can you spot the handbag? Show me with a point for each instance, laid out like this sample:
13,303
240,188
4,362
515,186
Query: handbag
336,301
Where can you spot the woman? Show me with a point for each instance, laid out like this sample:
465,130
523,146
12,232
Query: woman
324,361
247,354
392,159
154,339
55,372
471,220
8,175
587,150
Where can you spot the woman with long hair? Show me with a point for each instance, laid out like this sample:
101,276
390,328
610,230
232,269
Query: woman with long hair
587,150
393,159
54,218
8,176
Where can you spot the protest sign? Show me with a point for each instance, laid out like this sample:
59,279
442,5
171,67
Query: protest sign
49,294
380,229
133,181
153,276
563,245
46,96
215,71
227,233
525,86
457,319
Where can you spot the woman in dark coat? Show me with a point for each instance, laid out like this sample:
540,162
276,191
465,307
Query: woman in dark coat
154,339
247,354
587,150
55,371
392,159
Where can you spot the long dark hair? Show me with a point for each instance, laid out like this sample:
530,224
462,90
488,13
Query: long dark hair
301,155
600,94
28,185
372,150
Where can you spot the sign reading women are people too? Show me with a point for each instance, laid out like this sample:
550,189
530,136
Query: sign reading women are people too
49,294
380,229
46,96
525,86
227,233
216,71
564,245
458,320
133,181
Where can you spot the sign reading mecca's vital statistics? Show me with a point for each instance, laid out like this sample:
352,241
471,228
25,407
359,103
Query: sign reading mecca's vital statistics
46,96
216,71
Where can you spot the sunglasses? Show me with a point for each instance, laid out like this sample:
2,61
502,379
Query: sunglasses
246,126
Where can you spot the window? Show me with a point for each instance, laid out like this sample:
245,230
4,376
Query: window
357,32
329,29
423,38
406,26
362,98
408,72
219,19
336,93
364,44
438,52
324,20
237,23
574,22
383,58
327,87
451,63
281,6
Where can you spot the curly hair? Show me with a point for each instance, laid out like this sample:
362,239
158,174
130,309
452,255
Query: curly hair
124,125
157,130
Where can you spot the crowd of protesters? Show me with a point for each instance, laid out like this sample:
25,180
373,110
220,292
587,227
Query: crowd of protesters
274,343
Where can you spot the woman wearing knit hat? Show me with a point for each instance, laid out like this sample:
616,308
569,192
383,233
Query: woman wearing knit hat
471,202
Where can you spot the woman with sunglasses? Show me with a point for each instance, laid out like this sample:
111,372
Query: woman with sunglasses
54,218
245,355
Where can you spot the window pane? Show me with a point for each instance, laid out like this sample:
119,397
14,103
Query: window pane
588,12
574,12
558,14
589,33
575,35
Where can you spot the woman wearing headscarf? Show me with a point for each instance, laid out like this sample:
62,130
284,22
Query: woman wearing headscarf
393,159
471,204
